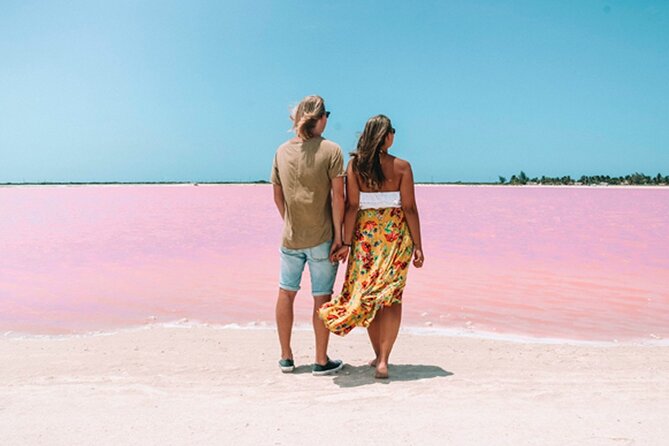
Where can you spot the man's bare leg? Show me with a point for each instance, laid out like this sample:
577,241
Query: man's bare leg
321,332
284,321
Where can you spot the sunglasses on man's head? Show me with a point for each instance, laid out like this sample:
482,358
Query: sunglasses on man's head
327,114
392,130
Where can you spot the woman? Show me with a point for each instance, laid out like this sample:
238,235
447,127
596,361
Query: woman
382,232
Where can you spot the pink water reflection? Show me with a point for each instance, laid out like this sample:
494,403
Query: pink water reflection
578,263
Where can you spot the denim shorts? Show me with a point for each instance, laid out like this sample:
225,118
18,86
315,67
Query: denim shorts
321,270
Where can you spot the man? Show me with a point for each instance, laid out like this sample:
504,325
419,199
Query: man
308,181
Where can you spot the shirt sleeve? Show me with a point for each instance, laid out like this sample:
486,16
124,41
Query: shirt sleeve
274,176
336,168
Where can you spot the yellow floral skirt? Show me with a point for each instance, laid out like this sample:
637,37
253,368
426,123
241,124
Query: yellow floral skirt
376,272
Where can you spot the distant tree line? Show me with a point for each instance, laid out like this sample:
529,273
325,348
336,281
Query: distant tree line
631,179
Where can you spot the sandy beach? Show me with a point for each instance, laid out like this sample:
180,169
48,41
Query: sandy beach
161,385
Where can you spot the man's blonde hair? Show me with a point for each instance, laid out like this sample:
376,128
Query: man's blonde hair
306,114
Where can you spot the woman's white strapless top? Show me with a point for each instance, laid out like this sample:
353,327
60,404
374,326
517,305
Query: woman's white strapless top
378,200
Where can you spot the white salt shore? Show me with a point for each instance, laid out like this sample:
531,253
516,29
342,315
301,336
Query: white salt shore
176,386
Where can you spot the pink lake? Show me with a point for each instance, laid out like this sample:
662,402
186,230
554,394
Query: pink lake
565,262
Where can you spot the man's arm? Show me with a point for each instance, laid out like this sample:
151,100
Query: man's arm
336,174
279,200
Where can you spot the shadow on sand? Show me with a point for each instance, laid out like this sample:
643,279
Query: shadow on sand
354,376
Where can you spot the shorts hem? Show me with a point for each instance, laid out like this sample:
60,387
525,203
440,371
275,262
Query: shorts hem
321,293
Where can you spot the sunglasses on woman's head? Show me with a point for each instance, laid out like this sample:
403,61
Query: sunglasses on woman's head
392,130
327,114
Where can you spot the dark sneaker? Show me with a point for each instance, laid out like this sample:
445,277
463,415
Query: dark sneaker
327,369
286,365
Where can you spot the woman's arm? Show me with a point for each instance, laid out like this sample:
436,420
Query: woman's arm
337,186
352,205
410,209
351,214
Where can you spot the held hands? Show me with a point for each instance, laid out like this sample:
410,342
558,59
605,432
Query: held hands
342,253
336,244
418,258
339,252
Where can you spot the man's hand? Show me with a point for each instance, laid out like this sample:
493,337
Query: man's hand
333,250
341,254
338,252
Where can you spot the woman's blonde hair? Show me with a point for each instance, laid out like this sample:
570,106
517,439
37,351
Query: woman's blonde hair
306,114
366,158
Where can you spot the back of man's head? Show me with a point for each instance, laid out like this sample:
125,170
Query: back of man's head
306,115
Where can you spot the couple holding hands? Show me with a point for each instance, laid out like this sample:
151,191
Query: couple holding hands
376,228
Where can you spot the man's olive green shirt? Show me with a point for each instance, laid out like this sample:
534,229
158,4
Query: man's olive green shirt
304,170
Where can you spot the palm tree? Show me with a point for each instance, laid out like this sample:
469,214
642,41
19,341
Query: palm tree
522,178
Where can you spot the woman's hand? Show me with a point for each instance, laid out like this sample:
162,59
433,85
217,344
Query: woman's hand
418,258
336,245
341,254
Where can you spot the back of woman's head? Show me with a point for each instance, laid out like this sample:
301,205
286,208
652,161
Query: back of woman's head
306,115
366,158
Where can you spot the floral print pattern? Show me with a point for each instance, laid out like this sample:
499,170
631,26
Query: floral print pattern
376,273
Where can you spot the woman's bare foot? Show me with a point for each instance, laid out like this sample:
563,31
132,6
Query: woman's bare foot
381,371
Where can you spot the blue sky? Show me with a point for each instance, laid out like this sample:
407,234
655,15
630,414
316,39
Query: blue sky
201,90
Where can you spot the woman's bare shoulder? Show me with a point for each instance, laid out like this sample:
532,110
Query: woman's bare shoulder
401,165
350,165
